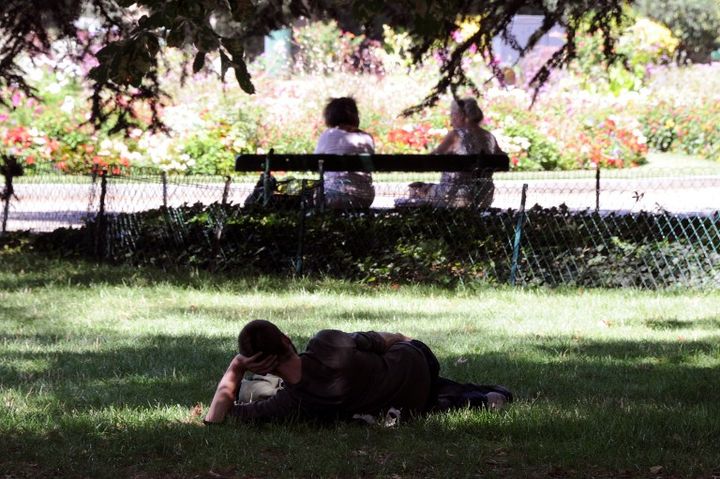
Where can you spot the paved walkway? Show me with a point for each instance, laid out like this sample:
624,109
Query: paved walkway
45,207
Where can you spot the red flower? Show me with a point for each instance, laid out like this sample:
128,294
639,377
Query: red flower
18,135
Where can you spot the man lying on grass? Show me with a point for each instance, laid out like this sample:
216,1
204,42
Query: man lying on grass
341,375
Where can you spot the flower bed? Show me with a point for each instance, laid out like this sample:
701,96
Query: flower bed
567,128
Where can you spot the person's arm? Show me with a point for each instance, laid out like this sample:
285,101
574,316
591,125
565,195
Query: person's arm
495,146
392,338
447,145
322,144
377,342
227,387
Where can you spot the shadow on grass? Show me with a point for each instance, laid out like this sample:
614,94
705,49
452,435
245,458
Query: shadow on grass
35,270
608,403
674,324
17,313
135,372
168,370
30,270
242,312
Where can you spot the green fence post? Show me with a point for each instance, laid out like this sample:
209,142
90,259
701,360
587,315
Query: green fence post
597,189
301,229
226,190
321,188
100,224
164,179
518,235
266,180
9,168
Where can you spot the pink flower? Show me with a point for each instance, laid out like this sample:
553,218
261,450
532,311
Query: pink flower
16,99
4,117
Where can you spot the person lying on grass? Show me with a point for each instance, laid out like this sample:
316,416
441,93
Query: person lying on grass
341,375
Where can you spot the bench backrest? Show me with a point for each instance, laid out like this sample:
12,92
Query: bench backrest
370,163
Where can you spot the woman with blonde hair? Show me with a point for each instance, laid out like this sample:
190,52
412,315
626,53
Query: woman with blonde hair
467,137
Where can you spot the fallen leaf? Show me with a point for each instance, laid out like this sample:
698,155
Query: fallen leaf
656,469
197,410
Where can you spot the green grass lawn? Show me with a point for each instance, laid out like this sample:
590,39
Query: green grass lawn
101,367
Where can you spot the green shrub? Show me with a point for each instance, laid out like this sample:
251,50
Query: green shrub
542,154
213,150
420,245
695,22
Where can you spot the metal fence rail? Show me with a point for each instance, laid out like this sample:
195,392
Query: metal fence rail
642,228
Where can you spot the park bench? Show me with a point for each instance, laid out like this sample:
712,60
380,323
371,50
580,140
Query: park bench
321,163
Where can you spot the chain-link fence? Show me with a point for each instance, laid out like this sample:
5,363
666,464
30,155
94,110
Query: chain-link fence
644,228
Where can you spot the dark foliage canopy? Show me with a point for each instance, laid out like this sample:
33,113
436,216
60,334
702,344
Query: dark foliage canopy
129,49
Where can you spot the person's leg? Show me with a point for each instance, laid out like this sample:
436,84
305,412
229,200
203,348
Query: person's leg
434,368
345,200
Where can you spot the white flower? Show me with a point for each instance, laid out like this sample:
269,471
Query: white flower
509,121
639,136
35,74
55,88
239,144
105,146
68,104
523,142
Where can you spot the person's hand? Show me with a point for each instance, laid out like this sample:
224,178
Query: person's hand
255,364
392,338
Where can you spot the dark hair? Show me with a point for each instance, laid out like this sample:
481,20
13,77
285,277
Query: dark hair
260,336
341,111
469,108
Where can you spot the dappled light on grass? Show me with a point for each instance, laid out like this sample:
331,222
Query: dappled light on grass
107,376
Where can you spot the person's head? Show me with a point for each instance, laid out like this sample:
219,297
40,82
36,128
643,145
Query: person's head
341,111
465,112
260,336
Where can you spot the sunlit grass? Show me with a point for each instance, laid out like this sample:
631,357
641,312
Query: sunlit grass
101,367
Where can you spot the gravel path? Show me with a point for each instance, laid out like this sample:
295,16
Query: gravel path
45,207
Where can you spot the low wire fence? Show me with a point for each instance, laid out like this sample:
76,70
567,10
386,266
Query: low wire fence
646,228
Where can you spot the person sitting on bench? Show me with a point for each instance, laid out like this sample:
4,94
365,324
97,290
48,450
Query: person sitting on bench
345,189
460,189
340,376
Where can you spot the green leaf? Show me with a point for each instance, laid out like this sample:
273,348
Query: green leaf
225,64
206,40
199,62
243,76
177,36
